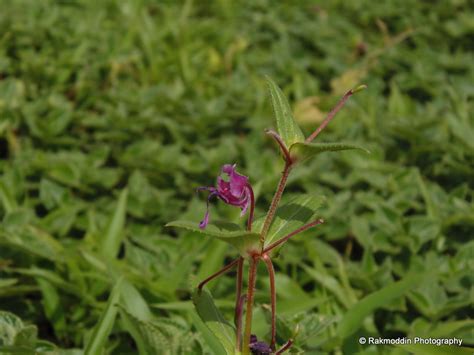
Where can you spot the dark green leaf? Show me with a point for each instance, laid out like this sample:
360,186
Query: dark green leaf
305,151
113,236
287,127
214,320
227,232
352,320
103,328
292,215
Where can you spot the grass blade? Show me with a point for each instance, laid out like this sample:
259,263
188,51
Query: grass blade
102,330
353,319
114,233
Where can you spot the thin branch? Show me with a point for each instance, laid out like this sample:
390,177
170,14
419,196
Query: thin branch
334,111
271,275
238,286
248,313
285,347
275,201
218,273
238,322
280,142
299,230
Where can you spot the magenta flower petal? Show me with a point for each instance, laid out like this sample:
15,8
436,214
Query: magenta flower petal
235,192
213,192
205,221
237,182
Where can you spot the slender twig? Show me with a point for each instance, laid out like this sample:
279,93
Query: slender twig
280,142
238,321
250,295
218,273
273,206
285,347
299,230
271,275
333,112
238,286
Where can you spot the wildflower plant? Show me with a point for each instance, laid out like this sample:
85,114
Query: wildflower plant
262,237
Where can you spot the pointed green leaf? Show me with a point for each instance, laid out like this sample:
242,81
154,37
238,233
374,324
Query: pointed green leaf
305,151
287,127
102,329
209,338
114,234
214,320
148,337
227,232
292,215
34,241
134,301
353,319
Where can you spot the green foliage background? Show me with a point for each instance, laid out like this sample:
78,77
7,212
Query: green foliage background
112,112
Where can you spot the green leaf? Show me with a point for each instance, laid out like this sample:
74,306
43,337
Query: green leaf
114,233
305,151
332,284
287,127
213,259
134,302
102,330
214,320
292,215
10,326
227,232
33,240
353,319
52,305
210,339
148,338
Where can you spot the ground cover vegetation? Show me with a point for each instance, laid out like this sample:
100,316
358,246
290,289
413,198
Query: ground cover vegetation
112,113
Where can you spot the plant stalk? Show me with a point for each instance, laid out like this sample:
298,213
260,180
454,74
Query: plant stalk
250,296
280,142
275,201
330,115
218,273
299,230
238,286
271,275
285,347
238,322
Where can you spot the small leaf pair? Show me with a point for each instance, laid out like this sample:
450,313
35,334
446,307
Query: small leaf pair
290,137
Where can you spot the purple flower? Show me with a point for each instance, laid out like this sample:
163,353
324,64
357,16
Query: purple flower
236,191
259,347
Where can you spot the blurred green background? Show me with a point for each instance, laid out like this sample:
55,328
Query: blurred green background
113,112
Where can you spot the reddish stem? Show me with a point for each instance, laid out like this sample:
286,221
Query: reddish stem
238,321
271,274
250,295
218,273
330,115
285,347
282,145
238,286
276,199
299,230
